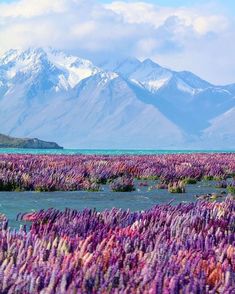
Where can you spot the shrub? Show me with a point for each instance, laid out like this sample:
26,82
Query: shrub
231,188
176,187
189,181
208,178
91,186
122,184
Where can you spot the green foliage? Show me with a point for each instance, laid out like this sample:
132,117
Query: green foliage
208,178
231,189
189,181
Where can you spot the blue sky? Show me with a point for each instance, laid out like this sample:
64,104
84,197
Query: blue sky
230,4
164,2
179,34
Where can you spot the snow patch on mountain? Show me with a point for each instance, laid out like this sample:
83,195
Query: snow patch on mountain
182,86
65,71
76,69
154,85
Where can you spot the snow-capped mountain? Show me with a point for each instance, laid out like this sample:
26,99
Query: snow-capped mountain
184,98
49,94
153,77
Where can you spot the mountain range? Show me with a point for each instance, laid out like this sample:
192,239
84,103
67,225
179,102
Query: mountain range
126,104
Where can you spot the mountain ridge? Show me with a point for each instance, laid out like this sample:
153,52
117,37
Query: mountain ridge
125,104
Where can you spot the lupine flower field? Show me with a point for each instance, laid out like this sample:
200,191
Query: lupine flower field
186,248
89,172
189,248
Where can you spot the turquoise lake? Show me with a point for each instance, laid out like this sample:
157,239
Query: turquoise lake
12,203
106,152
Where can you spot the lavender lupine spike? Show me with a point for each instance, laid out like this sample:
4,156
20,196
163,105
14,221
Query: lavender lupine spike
87,172
189,248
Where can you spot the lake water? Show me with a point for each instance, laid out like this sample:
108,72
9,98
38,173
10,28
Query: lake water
12,203
106,152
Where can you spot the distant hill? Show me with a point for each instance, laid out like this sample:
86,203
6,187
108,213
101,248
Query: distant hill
10,142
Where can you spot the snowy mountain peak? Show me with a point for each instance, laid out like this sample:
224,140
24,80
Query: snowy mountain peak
122,66
64,70
76,69
21,55
127,103
153,77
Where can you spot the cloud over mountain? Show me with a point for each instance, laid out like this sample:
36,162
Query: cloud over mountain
183,37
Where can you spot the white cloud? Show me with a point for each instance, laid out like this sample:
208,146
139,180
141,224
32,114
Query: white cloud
144,13
183,38
32,8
